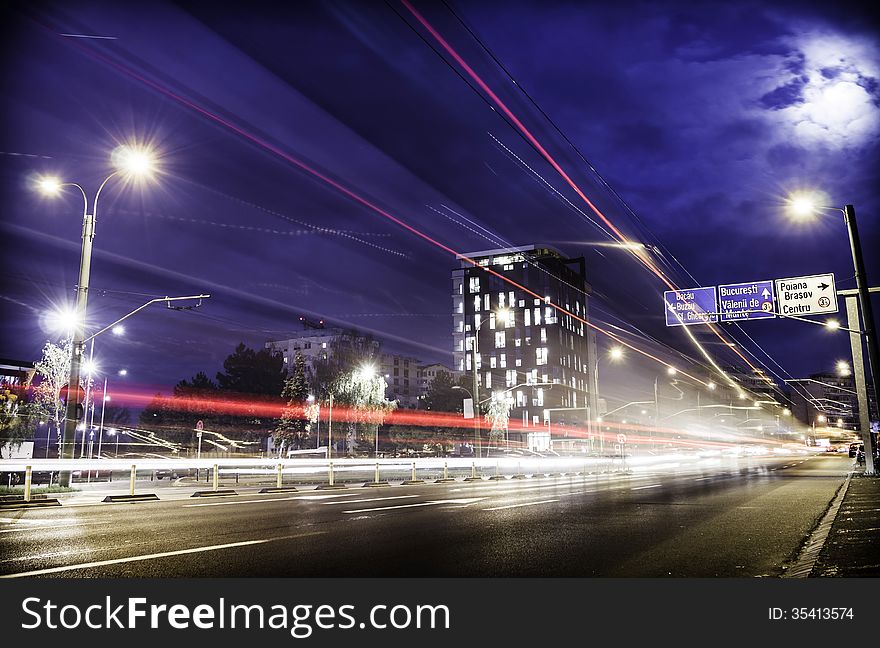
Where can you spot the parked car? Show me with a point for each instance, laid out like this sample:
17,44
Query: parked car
853,449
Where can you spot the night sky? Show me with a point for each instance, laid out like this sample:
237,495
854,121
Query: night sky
686,124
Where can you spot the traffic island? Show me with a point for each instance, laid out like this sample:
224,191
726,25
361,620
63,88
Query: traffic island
497,477
279,489
214,493
445,480
376,484
518,476
473,478
146,497
412,482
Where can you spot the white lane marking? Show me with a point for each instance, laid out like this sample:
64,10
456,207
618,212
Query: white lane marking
371,499
703,478
164,554
510,506
642,487
274,499
432,503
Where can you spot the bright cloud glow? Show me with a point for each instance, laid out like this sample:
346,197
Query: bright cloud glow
836,107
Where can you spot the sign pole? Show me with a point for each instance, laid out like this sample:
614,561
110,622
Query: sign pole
849,217
852,314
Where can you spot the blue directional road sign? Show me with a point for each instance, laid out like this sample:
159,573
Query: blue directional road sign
692,306
746,301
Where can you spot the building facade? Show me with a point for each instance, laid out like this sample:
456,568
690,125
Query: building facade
403,375
320,344
528,350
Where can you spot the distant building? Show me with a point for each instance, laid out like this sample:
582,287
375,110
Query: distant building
543,359
16,374
429,373
403,374
319,344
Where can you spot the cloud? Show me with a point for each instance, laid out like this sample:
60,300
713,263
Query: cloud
830,98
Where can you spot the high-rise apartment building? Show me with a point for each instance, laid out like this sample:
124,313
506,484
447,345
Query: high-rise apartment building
527,350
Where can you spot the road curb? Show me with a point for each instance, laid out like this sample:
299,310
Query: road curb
279,489
146,497
330,487
21,504
379,484
809,554
213,493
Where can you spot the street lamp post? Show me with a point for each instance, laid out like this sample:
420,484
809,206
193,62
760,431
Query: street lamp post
803,205
134,163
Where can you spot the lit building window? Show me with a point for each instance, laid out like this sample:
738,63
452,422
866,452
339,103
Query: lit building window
543,335
517,341
488,384
527,317
520,399
501,300
511,318
477,304
537,316
540,398
492,320
541,356
518,362
502,361
486,301
511,377
499,340
492,362
474,285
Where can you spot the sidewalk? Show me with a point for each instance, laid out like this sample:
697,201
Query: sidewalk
852,548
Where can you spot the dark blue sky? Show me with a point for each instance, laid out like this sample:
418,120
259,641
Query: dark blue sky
686,123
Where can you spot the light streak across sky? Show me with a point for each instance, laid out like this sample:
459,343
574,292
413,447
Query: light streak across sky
537,145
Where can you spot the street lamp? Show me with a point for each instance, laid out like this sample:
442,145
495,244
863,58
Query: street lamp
130,163
804,205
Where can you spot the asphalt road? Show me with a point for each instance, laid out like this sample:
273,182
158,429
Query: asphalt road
727,518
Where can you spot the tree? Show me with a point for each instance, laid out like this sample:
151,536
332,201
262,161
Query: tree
54,369
362,393
498,415
293,428
441,395
252,372
11,428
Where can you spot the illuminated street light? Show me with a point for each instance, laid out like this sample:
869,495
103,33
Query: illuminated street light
820,418
122,372
843,368
130,162
832,324
119,329
671,371
61,321
711,386
616,353
805,204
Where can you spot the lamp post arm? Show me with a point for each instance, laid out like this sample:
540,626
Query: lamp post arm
140,308
98,193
